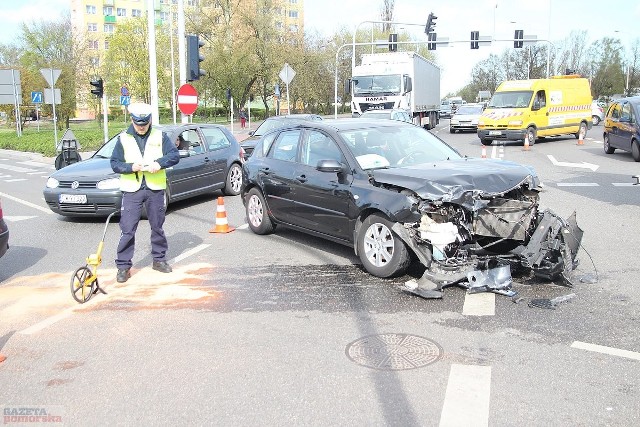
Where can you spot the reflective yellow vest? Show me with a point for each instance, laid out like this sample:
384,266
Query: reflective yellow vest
130,182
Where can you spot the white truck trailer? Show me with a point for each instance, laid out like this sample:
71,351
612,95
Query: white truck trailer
403,80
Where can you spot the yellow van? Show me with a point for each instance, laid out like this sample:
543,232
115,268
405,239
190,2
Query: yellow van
538,108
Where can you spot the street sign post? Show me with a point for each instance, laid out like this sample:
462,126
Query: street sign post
187,99
51,76
287,74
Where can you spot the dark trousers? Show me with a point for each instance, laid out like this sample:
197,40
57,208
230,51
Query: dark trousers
153,201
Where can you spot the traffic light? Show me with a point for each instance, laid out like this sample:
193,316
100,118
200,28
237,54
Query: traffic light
428,29
432,38
228,94
194,58
393,42
518,39
99,87
475,36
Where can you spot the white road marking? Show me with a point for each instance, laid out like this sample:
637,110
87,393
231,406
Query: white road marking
494,149
623,184
38,164
37,173
578,184
190,252
466,401
584,165
15,180
242,227
13,218
606,350
24,202
480,304
15,168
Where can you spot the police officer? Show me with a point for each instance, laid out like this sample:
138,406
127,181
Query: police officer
141,156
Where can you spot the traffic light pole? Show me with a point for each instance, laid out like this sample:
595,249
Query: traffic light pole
105,118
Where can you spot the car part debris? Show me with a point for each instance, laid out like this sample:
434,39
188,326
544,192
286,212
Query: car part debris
550,304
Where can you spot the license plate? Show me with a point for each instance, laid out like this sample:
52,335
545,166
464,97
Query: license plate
73,198
495,132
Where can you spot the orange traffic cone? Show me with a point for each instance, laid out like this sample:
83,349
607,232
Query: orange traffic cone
484,152
222,226
581,137
526,142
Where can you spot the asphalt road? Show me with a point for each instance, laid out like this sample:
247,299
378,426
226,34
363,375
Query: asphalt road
288,329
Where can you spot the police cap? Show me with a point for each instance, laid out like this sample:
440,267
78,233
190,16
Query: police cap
140,113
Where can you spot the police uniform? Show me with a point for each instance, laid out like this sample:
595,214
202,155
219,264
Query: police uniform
143,187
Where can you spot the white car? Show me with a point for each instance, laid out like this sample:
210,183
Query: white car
597,113
466,118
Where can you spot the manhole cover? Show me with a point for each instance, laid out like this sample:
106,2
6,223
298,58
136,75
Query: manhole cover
394,352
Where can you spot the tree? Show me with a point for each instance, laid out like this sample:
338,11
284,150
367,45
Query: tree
386,14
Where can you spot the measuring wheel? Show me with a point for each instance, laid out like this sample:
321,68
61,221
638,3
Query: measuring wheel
83,284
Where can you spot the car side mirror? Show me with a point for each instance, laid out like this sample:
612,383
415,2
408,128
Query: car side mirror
329,165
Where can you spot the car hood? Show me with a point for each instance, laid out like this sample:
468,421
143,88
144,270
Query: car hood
95,168
461,181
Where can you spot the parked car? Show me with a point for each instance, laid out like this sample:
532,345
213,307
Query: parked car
391,189
597,113
622,127
466,118
213,161
4,233
273,123
391,114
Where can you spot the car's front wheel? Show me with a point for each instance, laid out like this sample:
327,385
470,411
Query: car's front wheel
381,251
257,215
607,146
233,183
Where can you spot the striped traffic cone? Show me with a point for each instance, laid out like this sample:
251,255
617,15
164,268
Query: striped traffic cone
222,226
581,137
526,142
484,152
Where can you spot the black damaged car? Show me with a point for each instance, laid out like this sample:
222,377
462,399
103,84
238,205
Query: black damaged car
395,192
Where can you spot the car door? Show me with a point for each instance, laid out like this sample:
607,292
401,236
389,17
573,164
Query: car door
217,154
626,127
192,171
612,124
277,174
322,199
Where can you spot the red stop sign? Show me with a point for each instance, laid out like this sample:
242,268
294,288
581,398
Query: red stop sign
187,99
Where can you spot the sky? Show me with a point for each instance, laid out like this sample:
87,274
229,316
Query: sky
548,19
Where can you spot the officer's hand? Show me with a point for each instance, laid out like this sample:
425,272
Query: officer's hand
136,167
153,167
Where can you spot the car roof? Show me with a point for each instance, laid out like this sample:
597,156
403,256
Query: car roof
631,99
300,116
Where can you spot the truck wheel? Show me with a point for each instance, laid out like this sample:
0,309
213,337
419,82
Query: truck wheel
531,133
485,141
382,252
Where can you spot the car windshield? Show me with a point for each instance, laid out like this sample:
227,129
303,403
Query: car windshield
396,146
106,150
269,125
518,99
469,109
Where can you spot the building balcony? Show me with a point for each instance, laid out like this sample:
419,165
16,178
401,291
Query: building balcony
110,19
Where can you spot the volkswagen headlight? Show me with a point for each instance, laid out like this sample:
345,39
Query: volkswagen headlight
52,183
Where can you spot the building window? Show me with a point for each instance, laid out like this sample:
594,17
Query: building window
92,27
293,1
109,28
192,2
106,45
293,28
93,44
107,11
164,16
279,25
121,11
293,14
91,10
136,13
